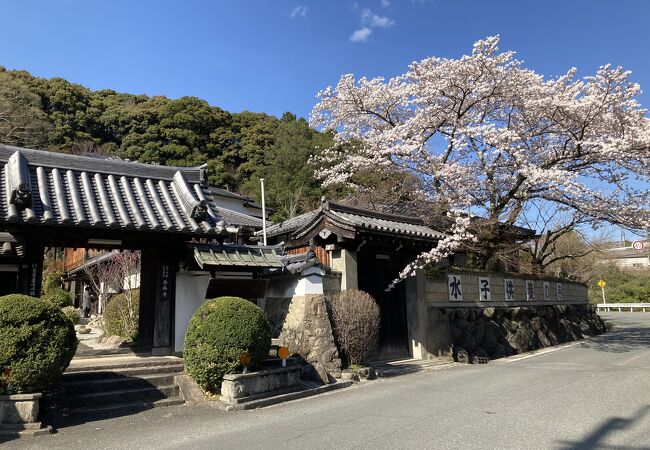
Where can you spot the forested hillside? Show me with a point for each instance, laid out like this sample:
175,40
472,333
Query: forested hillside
239,148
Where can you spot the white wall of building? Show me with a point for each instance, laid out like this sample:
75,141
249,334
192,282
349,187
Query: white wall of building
191,288
237,205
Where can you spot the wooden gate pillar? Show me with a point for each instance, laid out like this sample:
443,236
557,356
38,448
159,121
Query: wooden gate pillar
157,291
147,294
31,268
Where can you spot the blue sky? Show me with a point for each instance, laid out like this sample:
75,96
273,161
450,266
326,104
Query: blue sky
274,55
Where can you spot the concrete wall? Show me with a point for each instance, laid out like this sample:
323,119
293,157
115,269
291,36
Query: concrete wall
437,291
332,282
191,288
434,314
344,262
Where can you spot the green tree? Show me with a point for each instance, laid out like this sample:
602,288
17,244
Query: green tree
22,121
238,148
291,188
622,287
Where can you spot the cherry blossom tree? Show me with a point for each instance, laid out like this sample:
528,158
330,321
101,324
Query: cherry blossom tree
487,137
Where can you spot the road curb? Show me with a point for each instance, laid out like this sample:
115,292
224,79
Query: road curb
261,403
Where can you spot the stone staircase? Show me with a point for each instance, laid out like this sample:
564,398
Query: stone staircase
114,384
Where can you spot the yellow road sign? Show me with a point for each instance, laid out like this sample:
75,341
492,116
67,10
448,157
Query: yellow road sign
601,283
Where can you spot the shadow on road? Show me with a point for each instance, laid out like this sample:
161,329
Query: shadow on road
634,335
611,425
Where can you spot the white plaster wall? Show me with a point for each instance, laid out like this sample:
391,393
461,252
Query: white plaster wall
309,282
345,262
282,287
132,282
191,288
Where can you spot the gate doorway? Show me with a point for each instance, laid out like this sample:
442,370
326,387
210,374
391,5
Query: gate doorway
105,288
376,270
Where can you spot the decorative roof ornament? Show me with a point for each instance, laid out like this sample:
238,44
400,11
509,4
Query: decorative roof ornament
19,182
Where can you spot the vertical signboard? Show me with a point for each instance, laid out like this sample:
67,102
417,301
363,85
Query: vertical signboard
530,291
509,289
455,288
484,289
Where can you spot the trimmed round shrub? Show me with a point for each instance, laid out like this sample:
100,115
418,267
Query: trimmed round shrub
52,281
59,297
220,331
37,343
355,324
71,313
122,315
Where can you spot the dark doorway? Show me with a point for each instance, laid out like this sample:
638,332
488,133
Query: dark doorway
8,282
377,268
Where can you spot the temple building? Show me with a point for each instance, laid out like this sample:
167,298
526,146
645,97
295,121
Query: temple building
186,239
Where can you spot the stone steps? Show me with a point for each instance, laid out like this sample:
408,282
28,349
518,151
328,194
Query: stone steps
110,352
122,383
127,395
120,408
121,362
80,375
111,381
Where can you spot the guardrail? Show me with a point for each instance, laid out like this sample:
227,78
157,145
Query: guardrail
623,306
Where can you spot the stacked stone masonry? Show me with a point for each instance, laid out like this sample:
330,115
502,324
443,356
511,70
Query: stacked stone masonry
467,333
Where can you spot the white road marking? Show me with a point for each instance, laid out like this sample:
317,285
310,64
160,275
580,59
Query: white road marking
532,354
633,358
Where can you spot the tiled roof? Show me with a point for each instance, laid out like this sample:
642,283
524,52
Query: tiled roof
233,256
9,247
297,263
387,223
291,225
236,219
359,219
57,189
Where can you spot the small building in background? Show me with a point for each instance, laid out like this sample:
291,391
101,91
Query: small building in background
627,258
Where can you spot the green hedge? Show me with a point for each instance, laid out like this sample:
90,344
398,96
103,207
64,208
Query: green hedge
71,313
59,297
120,318
218,333
37,343
52,281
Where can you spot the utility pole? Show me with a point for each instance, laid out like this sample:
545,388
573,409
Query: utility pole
263,211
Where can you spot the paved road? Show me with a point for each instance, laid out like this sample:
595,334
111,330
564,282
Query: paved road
592,394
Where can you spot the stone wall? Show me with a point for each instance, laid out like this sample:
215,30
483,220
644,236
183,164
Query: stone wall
296,308
276,309
466,333
307,331
537,313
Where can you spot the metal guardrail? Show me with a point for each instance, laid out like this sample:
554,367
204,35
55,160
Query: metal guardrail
623,306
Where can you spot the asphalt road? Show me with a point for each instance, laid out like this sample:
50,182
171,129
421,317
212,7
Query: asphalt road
587,395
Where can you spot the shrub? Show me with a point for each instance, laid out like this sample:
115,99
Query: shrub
59,297
52,281
217,335
37,343
71,313
121,315
355,324
622,287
